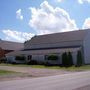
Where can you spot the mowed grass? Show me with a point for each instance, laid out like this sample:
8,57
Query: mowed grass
5,72
72,68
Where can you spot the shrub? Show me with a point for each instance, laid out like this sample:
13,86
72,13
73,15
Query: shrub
70,59
52,57
32,62
47,63
67,59
3,60
79,59
64,59
20,58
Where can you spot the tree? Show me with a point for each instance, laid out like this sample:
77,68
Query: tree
79,58
70,59
67,59
1,53
64,59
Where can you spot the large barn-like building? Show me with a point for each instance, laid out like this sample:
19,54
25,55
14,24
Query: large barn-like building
56,44
8,46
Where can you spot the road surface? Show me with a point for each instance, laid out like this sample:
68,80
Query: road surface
73,81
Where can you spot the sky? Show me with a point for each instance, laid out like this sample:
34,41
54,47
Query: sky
20,20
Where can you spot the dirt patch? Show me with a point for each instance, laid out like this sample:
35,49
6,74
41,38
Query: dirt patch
30,72
14,77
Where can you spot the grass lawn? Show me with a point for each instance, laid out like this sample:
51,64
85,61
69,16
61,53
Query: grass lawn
10,75
73,68
5,72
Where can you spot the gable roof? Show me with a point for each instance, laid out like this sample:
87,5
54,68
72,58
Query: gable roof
77,35
40,52
8,45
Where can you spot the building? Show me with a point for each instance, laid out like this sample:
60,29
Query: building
8,46
39,47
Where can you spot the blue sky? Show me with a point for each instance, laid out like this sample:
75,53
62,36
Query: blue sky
22,19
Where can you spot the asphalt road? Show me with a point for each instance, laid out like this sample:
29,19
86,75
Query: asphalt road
73,81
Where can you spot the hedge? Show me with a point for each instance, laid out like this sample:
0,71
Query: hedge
52,57
20,58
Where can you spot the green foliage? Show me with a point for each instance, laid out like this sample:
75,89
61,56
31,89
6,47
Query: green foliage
67,59
79,59
20,58
64,59
3,60
70,59
52,57
5,72
32,62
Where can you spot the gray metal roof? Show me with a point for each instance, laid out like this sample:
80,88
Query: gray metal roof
8,45
59,37
43,52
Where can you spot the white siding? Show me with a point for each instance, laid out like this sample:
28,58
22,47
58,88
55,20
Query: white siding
74,56
39,55
39,58
87,48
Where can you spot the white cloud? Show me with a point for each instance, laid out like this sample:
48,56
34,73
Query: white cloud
17,36
86,24
82,1
19,14
48,19
59,0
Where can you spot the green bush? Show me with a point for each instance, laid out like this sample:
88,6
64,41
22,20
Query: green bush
3,60
52,57
70,59
79,59
64,59
32,62
67,59
20,58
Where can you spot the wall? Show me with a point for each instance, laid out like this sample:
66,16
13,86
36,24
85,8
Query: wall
86,48
41,57
74,54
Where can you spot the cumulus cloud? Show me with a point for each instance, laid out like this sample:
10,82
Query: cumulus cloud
17,36
48,19
86,24
19,14
82,1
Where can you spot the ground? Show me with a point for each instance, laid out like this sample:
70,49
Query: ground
32,71
70,81
20,73
29,72
87,87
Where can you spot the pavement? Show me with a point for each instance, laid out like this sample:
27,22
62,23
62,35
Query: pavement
71,81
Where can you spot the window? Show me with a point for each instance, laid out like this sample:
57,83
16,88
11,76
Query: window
29,57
